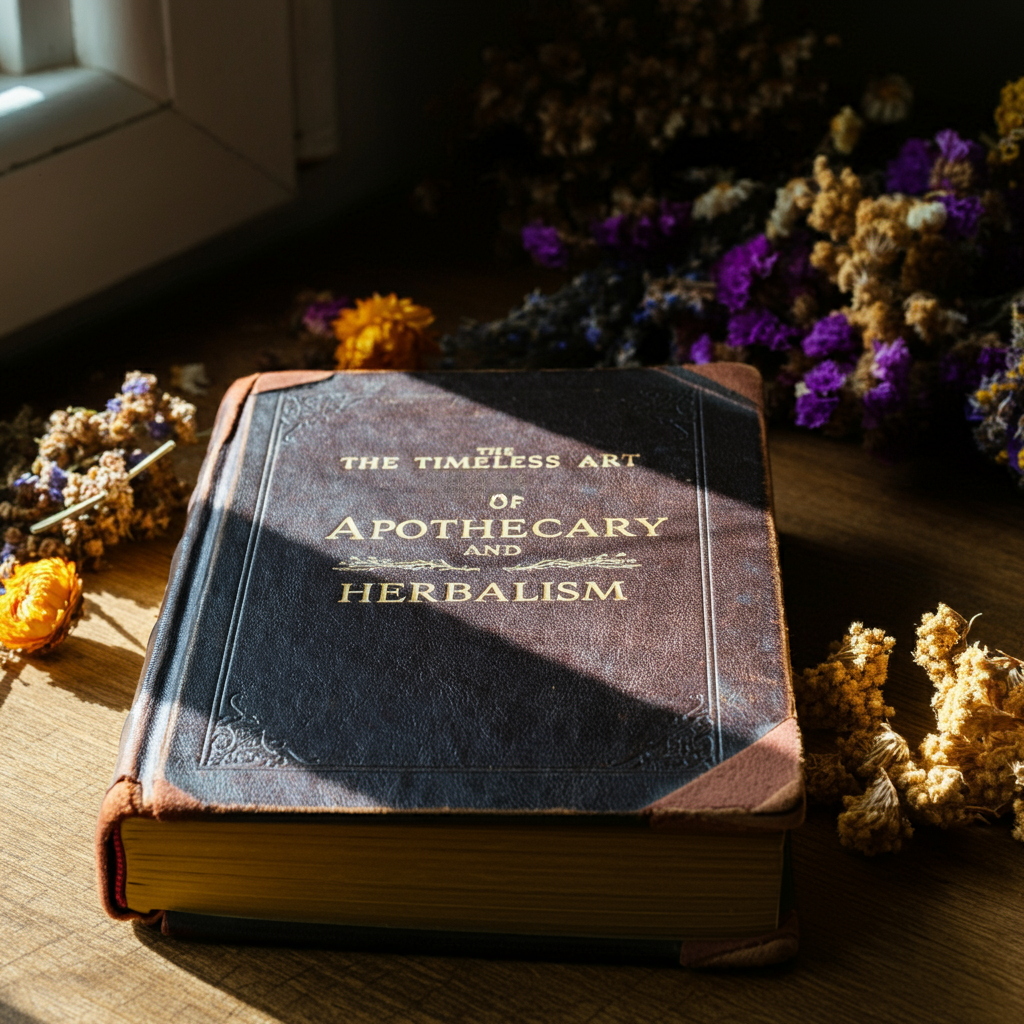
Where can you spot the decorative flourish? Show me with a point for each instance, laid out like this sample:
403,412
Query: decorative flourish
239,739
357,564
619,561
686,742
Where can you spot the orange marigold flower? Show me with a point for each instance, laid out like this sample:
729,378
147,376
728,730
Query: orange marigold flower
383,333
40,603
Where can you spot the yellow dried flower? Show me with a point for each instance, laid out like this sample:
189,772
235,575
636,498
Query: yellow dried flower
40,603
845,129
845,690
383,333
874,823
826,780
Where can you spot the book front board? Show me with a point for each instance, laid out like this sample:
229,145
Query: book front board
505,592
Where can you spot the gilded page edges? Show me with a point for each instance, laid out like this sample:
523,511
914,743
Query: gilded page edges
759,788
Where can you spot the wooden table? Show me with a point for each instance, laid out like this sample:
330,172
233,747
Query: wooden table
935,933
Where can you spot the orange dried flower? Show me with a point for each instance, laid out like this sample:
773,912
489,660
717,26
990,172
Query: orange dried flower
40,603
383,333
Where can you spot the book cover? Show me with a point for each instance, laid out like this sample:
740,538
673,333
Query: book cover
551,593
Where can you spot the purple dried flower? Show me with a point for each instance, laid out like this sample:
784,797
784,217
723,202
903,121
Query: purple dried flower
320,316
545,245
814,411
831,336
954,149
826,378
738,268
113,405
26,480
892,370
962,215
910,171
159,429
760,326
644,233
673,218
7,551
608,233
136,386
702,350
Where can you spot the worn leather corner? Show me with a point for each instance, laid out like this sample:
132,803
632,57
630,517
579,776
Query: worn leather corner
760,787
170,802
122,800
760,951
739,377
277,380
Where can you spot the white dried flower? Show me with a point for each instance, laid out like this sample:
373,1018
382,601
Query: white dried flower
791,202
887,100
722,198
924,216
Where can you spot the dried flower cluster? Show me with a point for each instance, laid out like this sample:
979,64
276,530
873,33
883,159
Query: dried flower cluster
83,453
600,98
873,300
971,768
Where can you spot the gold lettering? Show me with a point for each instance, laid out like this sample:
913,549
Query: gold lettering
583,527
545,591
411,522
506,528
472,550
389,593
423,590
462,589
366,462
492,549
569,589
651,527
552,462
453,463
513,549
629,458
347,589
615,588
422,460
517,462
346,526
481,461
535,461
381,526
442,527
348,460
518,596
540,522
485,529
390,462
614,526
498,464
588,460
492,590
609,460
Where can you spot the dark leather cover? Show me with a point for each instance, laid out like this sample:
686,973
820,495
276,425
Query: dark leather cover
662,690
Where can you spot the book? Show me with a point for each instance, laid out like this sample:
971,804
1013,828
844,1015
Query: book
490,656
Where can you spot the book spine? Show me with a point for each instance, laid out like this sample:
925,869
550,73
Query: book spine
126,796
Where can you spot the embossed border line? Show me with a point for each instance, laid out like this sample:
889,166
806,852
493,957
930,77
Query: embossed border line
269,465
707,576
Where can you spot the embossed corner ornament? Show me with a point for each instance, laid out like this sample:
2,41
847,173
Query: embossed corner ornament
240,741
686,743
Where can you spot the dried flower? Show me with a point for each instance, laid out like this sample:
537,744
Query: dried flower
383,333
845,129
911,171
39,604
830,336
740,267
545,245
874,823
319,316
891,369
887,100
721,199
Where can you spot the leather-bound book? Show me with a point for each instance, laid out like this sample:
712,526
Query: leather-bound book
483,662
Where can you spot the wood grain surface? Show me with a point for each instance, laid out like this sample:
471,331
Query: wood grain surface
933,934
